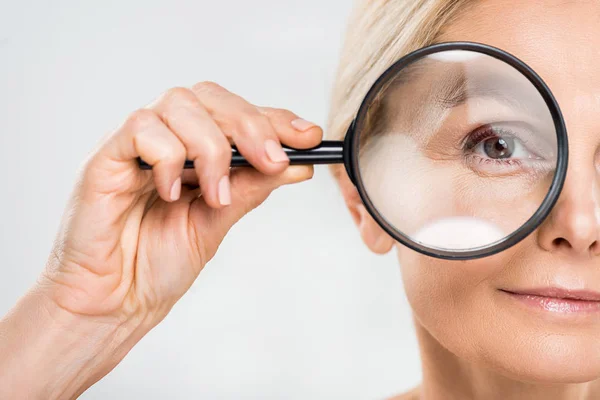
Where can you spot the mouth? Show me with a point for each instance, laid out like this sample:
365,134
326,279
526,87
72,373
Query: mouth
556,300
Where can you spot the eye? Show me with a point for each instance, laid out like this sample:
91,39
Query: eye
504,150
502,147
496,144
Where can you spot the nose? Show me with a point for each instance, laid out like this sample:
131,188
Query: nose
573,226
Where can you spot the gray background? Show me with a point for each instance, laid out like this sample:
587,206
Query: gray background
293,306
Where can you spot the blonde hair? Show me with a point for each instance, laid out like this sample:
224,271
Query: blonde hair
379,32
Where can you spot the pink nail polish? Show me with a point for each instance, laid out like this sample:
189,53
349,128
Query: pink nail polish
302,125
275,152
224,191
176,190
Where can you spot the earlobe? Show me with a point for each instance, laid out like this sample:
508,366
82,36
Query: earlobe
376,239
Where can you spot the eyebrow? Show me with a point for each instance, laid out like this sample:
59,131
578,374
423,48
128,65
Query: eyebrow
452,92
455,90
452,88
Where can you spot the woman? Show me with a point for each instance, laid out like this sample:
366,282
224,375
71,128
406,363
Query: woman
132,242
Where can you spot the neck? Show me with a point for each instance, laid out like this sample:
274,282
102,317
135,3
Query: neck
445,376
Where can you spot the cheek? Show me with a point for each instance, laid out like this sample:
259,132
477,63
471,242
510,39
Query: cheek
403,185
432,283
452,300
458,304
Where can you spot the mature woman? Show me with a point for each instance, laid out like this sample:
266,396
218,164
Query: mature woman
132,241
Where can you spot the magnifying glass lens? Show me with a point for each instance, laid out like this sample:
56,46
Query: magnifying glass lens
456,151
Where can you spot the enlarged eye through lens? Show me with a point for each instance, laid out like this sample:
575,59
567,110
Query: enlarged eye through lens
459,152
499,147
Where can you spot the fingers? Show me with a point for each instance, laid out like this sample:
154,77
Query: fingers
113,169
203,140
200,124
250,130
249,189
293,131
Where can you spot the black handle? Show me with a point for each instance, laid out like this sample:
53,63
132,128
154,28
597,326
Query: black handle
328,152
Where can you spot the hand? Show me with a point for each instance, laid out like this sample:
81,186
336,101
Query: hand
132,242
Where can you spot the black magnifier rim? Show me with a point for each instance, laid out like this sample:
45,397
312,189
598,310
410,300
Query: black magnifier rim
555,188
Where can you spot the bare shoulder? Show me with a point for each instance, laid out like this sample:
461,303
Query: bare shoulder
412,395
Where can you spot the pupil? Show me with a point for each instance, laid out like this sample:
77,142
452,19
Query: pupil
499,148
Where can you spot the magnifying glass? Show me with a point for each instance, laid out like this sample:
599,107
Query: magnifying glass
458,151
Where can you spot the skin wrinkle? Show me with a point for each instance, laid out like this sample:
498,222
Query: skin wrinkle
424,141
474,341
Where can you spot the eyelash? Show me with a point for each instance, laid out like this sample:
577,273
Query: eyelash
481,134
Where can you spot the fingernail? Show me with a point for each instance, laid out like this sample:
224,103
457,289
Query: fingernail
275,152
176,190
224,191
302,125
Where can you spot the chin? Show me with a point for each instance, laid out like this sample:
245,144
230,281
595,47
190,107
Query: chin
539,358
526,345
518,313
552,341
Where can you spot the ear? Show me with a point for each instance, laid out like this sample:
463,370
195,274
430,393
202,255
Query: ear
376,239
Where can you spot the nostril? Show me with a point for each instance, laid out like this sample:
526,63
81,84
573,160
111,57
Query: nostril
560,242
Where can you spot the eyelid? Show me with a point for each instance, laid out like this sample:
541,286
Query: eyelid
490,133
486,132
522,131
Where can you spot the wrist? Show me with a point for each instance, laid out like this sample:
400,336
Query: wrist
48,352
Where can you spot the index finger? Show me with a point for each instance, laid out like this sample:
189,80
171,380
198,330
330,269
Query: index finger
292,130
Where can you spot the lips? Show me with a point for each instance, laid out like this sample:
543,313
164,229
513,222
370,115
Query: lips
556,293
558,300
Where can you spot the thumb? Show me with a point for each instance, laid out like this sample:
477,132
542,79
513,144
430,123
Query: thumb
249,189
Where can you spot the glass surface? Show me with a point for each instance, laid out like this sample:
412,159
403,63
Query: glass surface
458,150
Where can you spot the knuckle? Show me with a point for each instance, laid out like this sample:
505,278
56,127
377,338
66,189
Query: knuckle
282,113
225,156
173,154
178,154
214,151
141,119
254,124
180,97
207,87
223,151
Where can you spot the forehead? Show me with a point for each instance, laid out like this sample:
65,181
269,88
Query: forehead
560,40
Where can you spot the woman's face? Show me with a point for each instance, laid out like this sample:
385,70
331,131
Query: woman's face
466,306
